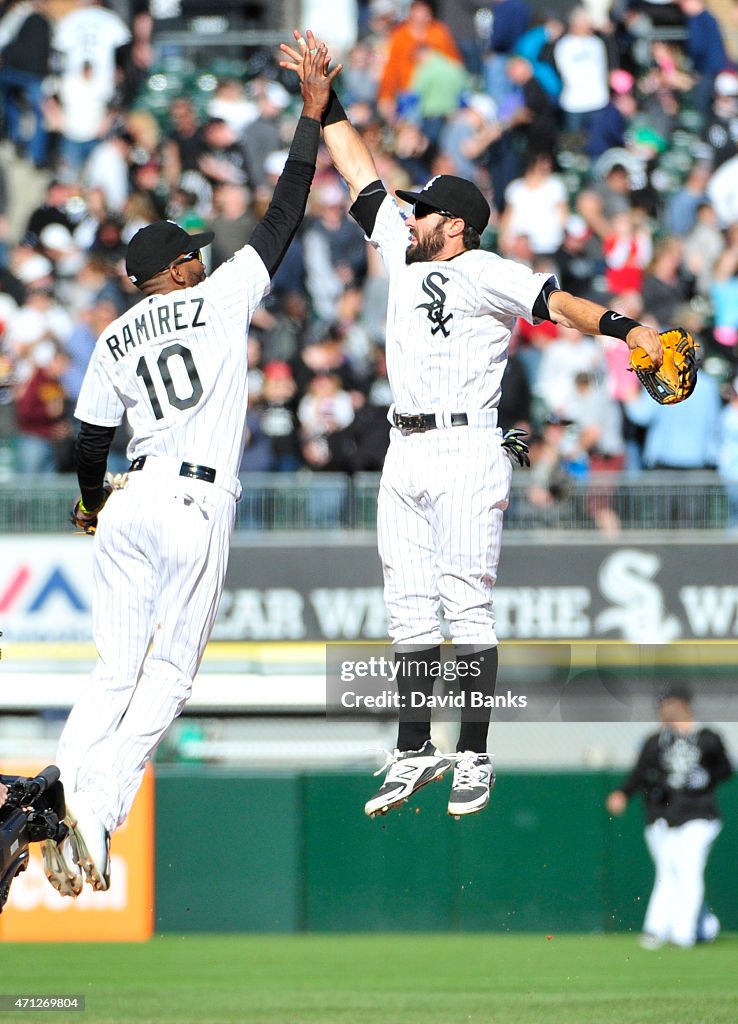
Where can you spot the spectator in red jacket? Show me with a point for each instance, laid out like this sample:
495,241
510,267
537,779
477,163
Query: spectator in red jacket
43,423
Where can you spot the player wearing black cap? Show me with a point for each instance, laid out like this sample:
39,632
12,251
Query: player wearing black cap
446,480
154,248
678,770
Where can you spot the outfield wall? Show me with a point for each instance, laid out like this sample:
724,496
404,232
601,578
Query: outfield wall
327,587
238,852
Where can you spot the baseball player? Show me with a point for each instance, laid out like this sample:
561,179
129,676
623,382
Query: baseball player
678,770
176,365
446,479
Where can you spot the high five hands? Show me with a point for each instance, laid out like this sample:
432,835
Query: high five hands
312,58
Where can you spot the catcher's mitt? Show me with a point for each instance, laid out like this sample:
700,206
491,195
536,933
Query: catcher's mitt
675,379
86,522
515,447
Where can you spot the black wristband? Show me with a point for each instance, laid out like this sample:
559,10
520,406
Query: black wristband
616,325
334,112
306,140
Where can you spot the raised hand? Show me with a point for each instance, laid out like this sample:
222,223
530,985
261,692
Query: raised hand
296,56
311,54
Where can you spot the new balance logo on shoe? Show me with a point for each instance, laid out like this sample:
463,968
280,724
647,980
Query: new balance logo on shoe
473,780
407,772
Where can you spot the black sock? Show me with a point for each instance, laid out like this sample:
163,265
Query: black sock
416,675
480,678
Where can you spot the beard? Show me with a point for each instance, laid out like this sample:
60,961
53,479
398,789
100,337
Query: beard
424,250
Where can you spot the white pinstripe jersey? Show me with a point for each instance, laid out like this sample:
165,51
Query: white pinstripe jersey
177,365
449,322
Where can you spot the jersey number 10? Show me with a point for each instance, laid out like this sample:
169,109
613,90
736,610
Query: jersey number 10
165,376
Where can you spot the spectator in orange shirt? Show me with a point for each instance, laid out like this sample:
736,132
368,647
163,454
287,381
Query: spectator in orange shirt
421,29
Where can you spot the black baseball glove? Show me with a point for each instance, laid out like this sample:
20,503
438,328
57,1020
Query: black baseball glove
84,520
515,447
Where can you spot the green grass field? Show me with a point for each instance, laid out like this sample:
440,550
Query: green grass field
397,979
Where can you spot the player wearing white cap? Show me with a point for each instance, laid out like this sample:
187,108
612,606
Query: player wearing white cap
176,365
451,310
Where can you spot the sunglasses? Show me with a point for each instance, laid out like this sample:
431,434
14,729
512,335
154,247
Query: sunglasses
421,210
196,255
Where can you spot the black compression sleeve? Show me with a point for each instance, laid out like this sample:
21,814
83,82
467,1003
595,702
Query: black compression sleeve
273,234
93,445
334,112
366,206
645,769
540,306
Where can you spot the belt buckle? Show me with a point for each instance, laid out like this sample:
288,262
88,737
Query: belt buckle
195,472
411,422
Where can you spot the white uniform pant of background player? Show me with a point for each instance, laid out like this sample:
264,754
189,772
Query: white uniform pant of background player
679,855
161,554
441,500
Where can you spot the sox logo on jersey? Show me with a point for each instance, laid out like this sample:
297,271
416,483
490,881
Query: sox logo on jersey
443,491
436,307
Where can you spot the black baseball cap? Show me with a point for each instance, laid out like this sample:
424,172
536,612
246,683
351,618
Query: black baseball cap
675,691
449,194
154,247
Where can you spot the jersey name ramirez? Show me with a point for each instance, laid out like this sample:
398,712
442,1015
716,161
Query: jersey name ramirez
156,322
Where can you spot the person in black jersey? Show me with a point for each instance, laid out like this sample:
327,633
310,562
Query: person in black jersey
678,770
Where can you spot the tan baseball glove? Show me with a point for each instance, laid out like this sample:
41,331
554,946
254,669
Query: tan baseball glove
675,379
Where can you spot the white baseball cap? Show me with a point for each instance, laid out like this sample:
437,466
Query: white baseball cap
44,352
277,95
483,105
275,161
57,236
577,226
726,84
382,9
33,269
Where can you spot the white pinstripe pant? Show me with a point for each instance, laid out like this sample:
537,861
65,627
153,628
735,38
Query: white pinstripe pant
161,552
441,500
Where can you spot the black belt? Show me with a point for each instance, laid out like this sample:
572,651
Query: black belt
186,469
416,423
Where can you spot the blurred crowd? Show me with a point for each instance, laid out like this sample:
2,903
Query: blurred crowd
606,139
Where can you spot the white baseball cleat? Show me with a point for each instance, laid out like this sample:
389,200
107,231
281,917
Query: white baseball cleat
90,842
708,926
60,869
473,780
408,771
